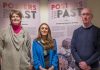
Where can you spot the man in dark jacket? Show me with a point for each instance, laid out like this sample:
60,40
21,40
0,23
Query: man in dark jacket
84,44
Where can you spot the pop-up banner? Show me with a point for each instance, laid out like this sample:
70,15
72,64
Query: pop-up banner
30,10
64,18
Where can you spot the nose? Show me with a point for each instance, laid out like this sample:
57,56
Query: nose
44,29
85,18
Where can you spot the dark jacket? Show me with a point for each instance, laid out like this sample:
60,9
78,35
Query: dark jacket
85,44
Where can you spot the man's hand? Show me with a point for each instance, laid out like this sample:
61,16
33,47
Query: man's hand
83,65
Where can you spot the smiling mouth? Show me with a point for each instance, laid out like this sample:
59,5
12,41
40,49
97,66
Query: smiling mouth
16,20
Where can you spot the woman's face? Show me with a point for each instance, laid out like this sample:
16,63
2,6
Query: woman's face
44,30
15,19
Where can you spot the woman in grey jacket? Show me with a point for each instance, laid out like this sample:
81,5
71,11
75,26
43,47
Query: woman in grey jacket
15,45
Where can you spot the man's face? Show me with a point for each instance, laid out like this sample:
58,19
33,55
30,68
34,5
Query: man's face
86,16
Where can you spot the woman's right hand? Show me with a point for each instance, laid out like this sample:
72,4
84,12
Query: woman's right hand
40,67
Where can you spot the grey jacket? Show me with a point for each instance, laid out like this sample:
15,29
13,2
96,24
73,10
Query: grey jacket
14,53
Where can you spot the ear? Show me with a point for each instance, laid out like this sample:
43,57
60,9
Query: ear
91,15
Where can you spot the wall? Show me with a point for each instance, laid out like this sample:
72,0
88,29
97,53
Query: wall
95,6
44,11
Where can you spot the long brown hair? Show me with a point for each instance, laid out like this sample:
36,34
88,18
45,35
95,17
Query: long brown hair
49,41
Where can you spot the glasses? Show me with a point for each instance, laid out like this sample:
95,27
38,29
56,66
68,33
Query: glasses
87,14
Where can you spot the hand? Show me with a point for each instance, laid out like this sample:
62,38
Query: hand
30,67
83,65
88,68
51,68
40,67
43,69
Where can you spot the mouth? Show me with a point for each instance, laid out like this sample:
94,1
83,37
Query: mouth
15,20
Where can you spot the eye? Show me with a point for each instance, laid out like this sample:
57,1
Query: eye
42,28
12,16
46,28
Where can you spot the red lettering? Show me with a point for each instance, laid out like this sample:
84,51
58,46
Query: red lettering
55,6
7,5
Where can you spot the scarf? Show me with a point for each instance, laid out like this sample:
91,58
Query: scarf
16,28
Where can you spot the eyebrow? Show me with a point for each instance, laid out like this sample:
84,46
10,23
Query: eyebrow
85,13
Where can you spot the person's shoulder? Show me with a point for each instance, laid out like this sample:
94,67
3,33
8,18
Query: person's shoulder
96,27
4,30
54,39
25,30
78,29
35,40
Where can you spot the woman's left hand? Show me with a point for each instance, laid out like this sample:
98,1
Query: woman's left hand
51,68
30,67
